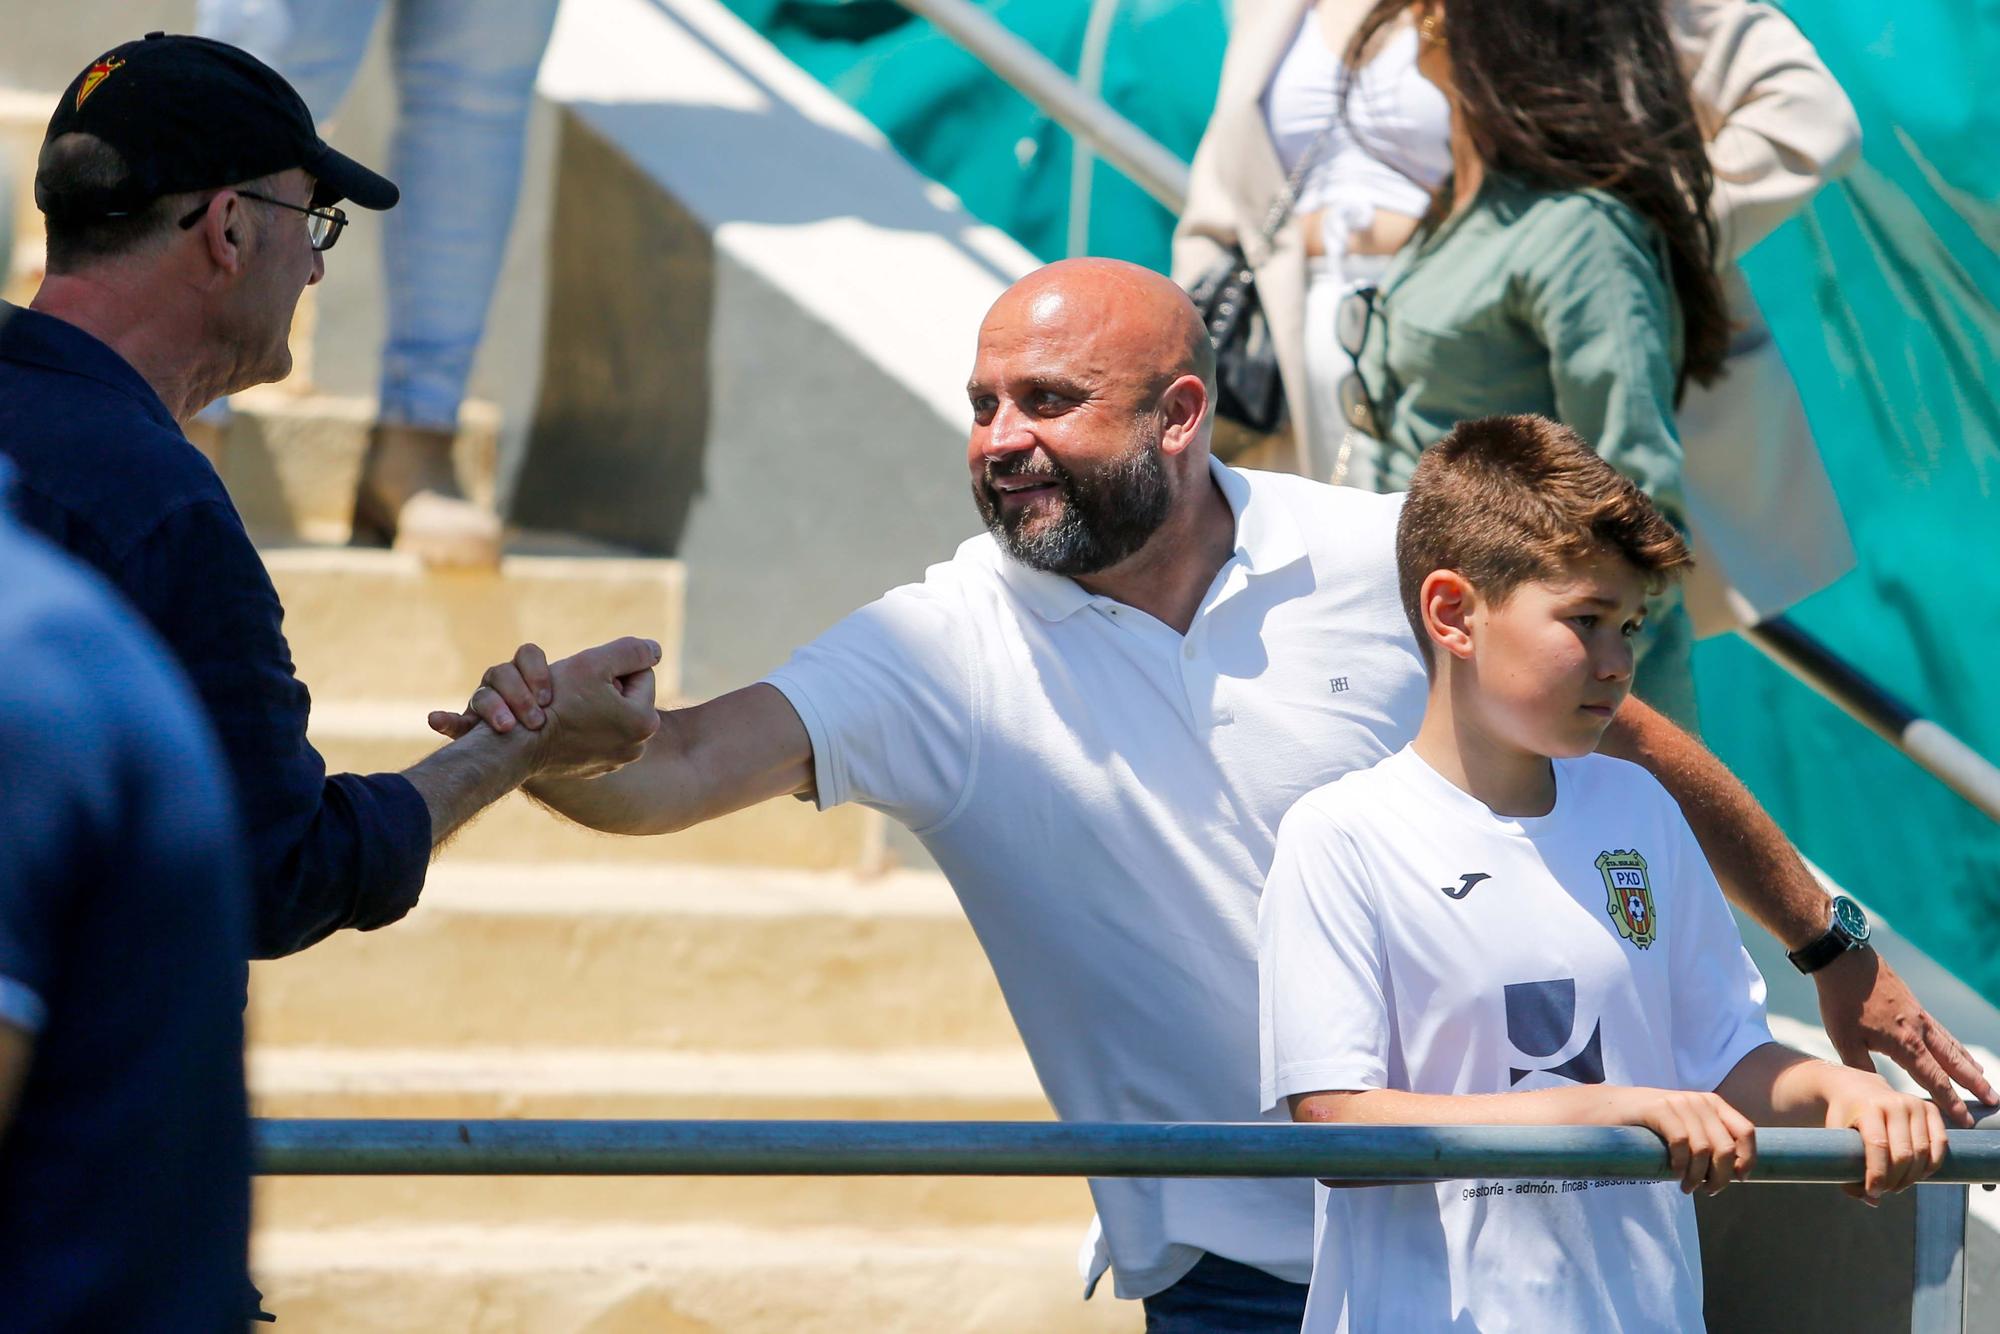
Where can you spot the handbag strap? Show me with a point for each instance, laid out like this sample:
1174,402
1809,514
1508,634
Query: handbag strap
1281,207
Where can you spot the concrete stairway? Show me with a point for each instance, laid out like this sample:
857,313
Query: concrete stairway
769,965
665,991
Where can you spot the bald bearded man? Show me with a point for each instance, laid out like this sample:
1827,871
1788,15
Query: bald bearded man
1094,717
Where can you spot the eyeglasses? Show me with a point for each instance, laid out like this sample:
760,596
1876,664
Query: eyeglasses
323,225
1353,319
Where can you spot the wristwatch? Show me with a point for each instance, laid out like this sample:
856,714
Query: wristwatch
1848,931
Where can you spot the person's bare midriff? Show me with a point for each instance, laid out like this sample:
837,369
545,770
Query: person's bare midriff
1384,234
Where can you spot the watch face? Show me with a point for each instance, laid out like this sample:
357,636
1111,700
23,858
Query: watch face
1848,916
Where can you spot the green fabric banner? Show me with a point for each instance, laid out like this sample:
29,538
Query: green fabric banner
1882,295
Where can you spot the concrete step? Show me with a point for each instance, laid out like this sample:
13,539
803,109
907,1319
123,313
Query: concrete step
620,1084
366,624
681,958
682,1279
376,737
291,457
782,833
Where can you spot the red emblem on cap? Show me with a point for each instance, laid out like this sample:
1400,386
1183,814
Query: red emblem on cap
93,76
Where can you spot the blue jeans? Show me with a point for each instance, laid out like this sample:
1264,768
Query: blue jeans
1220,1296
465,78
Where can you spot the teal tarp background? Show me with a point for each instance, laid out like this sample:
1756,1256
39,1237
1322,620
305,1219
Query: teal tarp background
1882,295
962,126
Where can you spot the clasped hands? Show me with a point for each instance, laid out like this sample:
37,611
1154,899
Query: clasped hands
587,714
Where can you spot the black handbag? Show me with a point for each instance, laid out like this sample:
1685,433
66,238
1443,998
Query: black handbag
1248,390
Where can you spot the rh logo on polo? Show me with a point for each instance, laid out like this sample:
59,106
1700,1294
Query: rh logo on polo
1629,898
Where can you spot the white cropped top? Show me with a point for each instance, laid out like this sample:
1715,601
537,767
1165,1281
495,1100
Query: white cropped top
1398,146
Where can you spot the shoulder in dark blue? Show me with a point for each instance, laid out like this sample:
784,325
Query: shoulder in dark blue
98,460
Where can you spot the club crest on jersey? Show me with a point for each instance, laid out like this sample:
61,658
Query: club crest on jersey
1629,898
95,75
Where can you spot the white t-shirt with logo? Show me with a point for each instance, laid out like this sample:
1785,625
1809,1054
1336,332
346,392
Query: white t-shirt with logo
1411,939
1104,795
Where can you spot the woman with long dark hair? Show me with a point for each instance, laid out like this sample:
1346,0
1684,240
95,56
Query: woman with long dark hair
1567,265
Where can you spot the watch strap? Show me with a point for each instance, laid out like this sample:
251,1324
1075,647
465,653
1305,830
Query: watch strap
1810,958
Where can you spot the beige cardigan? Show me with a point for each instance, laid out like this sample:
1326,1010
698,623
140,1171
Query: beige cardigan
1767,530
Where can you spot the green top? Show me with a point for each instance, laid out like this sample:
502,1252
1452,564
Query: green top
1530,300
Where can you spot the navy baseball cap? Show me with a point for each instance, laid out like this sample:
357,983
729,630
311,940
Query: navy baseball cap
189,113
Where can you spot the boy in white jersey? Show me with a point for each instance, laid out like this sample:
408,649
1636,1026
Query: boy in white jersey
1496,926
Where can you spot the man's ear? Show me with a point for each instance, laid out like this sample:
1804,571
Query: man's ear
224,230
1447,600
1185,406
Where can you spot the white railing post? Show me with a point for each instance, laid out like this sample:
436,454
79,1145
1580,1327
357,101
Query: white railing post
1937,1297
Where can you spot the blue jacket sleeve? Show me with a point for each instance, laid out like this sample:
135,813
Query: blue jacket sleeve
325,852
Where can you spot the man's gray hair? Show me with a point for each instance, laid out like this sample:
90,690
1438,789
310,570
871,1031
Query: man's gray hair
80,164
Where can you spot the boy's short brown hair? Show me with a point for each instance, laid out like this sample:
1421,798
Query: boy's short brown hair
1508,500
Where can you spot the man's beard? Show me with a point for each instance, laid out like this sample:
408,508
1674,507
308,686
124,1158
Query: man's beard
1099,518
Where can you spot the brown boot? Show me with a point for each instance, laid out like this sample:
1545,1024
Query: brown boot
409,496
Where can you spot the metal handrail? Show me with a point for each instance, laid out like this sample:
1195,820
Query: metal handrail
1933,748
1160,172
1150,165
313,1147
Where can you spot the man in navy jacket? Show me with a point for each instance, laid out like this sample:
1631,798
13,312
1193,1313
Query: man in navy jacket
189,202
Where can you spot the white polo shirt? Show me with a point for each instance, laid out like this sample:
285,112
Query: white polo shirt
1412,939
1104,793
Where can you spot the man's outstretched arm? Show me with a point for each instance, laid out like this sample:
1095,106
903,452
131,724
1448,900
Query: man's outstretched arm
1864,1005
734,751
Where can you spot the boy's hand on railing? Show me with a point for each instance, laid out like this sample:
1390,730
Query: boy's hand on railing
1902,1137
1708,1142
1866,1007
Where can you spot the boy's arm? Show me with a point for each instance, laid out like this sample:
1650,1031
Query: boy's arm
1709,1143
1902,1138
1864,1005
